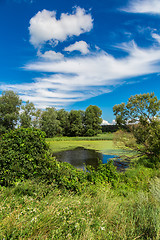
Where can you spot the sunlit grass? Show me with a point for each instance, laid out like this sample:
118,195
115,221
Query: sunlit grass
103,146
67,145
99,213
102,143
103,136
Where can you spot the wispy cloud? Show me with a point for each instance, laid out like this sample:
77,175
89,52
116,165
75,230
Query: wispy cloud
143,6
44,26
156,37
81,46
80,78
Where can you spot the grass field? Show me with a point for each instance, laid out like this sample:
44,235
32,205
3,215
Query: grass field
99,145
103,136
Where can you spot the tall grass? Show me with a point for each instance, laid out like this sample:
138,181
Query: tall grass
31,210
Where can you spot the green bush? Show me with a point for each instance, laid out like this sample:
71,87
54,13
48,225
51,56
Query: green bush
23,154
90,133
103,173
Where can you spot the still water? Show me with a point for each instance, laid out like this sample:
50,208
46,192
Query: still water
80,157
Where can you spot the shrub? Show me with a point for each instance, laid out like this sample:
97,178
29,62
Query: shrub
103,173
90,133
23,154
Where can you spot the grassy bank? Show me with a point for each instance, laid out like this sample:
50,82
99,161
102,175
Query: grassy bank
130,210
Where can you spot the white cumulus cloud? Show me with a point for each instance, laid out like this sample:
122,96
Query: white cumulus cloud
143,6
44,26
51,55
81,46
105,122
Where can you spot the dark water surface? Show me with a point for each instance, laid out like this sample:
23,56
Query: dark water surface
79,157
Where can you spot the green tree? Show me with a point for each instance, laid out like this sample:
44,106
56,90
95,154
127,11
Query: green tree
49,123
27,114
37,118
63,117
76,123
93,120
141,116
9,110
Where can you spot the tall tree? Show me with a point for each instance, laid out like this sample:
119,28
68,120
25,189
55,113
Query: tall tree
49,123
9,110
37,118
93,120
27,114
76,123
141,115
63,117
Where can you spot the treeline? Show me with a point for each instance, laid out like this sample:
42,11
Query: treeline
51,121
110,128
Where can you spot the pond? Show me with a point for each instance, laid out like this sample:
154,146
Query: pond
80,157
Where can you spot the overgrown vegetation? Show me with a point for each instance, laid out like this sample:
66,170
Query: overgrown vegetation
23,154
53,122
141,117
129,208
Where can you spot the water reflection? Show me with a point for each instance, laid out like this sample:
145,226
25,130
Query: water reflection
79,157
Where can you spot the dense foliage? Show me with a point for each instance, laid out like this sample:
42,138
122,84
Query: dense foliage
53,122
76,123
93,120
49,123
23,154
141,116
63,117
9,110
27,114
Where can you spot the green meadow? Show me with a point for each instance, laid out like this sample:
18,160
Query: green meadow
128,210
102,142
104,146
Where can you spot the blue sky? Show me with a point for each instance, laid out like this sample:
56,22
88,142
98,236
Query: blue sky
70,54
